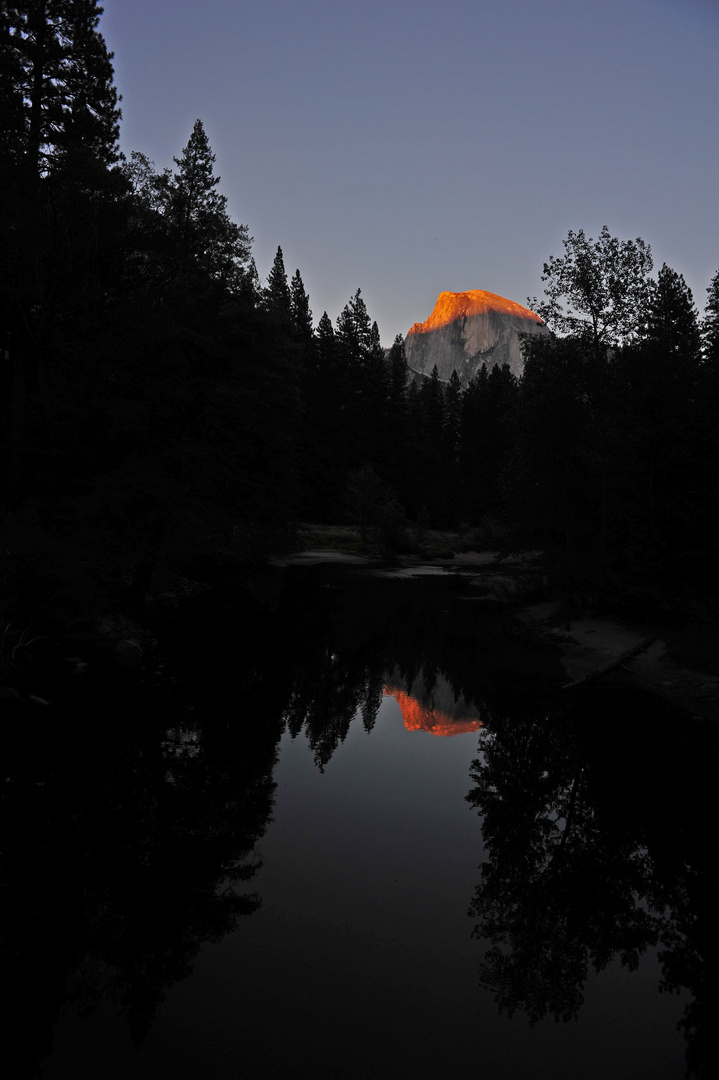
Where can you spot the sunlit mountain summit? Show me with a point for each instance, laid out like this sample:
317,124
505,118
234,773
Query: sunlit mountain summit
468,329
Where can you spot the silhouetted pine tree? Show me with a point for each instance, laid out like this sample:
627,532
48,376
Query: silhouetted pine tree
397,430
375,405
301,312
428,423
276,297
452,415
13,81
58,90
398,373
354,342
57,209
658,418
710,323
704,525
552,484
209,244
672,318
475,448
486,440
354,328
324,434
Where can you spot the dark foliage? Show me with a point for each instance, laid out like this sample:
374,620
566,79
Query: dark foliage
158,402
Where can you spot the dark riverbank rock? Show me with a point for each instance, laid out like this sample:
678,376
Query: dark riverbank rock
107,632
129,652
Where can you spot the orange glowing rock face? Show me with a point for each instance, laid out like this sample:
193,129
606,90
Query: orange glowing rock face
418,717
452,306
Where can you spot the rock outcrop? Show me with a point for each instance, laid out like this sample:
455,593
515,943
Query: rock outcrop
469,329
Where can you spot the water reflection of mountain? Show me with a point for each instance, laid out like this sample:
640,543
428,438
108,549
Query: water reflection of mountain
432,706
360,633
142,807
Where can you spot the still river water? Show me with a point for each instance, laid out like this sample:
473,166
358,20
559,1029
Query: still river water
358,834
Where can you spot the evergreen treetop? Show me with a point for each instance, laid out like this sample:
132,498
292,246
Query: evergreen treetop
710,322
208,242
276,295
300,308
354,329
59,101
325,330
672,317
398,371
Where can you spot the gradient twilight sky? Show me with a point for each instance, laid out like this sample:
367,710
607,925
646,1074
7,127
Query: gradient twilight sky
408,147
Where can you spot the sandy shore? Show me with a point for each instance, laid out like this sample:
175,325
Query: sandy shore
315,556
590,643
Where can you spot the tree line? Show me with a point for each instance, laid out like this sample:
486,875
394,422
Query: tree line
158,400
615,449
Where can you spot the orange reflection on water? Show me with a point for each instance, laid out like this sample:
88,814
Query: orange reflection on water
431,717
453,306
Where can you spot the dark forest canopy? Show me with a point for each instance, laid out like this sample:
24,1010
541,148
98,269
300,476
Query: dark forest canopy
159,401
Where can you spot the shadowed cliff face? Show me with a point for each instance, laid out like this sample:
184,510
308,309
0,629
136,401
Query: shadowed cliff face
469,329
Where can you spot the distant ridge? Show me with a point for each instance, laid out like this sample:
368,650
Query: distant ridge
468,329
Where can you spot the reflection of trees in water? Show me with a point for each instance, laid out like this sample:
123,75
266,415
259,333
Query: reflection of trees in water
557,889
597,809
130,824
130,820
690,957
599,836
413,632
327,696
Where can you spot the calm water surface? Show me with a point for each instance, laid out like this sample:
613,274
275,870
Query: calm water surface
300,871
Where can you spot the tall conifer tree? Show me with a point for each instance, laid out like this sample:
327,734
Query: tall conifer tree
398,373
710,323
208,241
672,319
60,138
276,295
300,309
58,91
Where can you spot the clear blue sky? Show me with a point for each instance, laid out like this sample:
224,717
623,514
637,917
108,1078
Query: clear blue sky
407,147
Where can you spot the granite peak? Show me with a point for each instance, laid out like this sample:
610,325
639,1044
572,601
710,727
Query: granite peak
468,329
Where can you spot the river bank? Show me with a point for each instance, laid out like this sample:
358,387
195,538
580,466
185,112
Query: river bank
676,658
677,661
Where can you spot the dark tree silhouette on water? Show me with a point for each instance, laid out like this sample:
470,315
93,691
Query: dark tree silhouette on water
581,865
